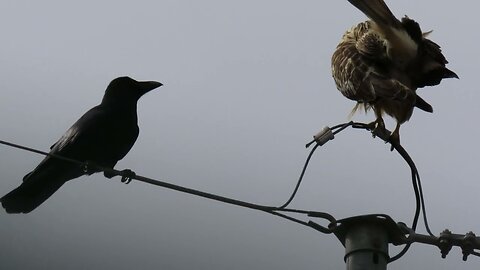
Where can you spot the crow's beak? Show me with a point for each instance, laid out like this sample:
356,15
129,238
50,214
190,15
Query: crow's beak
149,85
447,73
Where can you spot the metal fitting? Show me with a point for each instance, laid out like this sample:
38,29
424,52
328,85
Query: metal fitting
323,136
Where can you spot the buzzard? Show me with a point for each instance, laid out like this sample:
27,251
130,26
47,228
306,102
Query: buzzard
380,63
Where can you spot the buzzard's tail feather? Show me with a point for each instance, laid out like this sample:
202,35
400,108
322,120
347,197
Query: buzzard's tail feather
377,11
422,104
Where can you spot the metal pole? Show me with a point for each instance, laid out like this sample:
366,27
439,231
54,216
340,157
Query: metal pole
366,247
366,240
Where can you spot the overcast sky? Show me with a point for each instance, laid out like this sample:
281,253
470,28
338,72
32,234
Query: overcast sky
246,85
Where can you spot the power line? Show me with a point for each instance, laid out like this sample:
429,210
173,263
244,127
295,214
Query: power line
327,134
128,175
321,138
299,182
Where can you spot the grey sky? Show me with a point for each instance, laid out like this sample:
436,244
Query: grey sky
246,84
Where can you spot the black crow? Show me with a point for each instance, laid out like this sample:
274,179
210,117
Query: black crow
102,136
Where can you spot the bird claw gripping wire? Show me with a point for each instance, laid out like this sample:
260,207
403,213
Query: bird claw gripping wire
127,176
327,133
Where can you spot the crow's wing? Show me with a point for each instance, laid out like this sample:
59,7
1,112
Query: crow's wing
101,136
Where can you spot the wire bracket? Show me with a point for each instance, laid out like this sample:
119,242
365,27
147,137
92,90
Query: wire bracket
324,136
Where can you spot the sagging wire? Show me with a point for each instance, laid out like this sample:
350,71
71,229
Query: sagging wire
127,175
321,138
385,135
300,178
416,183
327,134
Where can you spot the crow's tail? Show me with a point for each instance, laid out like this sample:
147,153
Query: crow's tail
29,195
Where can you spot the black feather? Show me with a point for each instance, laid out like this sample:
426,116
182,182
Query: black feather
103,136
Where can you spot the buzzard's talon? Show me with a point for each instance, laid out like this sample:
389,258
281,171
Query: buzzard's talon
376,127
394,138
127,176
371,126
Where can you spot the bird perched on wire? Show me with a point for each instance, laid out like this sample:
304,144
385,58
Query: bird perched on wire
381,62
102,136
